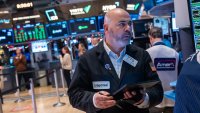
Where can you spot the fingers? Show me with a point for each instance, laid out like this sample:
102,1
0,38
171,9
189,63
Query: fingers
106,104
128,94
138,96
102,100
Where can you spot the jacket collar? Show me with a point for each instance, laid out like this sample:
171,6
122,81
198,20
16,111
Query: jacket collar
159,43
105,61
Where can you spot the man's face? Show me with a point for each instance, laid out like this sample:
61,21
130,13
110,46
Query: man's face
18,51
94,41
119,30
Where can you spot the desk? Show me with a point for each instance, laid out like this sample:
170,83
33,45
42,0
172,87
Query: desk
8,73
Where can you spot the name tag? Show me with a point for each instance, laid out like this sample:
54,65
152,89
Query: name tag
130,60
165,64
101,84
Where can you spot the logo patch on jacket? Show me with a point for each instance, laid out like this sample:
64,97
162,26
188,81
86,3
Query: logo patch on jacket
165,64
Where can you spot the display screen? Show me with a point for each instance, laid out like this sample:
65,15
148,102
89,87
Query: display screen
162,23
57,29
134,16
100,23
29,32
83,25
6,36
39,46
142,27
174,27
195,19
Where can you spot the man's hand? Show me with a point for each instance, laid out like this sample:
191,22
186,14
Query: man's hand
138,96
20,57
102,100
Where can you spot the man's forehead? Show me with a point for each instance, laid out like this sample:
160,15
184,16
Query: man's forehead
124,20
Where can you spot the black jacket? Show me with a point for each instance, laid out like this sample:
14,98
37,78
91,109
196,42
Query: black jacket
91,67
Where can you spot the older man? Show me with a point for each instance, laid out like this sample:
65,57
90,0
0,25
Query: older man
110,65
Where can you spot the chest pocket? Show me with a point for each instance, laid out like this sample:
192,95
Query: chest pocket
165,64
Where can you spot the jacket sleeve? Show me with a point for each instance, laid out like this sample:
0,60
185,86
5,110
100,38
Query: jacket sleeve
80,90
155,93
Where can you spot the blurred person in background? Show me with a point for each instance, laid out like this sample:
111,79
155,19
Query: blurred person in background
66,63
166,61
81,48
21,66
95,41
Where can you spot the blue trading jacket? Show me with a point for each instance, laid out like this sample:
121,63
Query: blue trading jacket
188,86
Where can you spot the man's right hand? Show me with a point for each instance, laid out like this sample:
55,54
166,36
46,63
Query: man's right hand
103,100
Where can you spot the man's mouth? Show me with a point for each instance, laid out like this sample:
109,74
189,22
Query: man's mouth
127,36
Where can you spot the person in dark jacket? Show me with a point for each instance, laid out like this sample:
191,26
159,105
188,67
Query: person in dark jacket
21,66
107,67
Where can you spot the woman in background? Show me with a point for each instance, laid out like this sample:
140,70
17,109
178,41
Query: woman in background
66,63
81,49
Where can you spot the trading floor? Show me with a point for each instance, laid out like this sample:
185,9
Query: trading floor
45,98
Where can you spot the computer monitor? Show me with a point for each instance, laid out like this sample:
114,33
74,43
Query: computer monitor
57,29
39,46
162,23
29,32
100,23
6,36
83,25
142,27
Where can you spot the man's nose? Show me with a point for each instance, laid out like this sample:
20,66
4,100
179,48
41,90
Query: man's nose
127,27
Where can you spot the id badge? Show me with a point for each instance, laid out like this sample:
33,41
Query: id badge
101,84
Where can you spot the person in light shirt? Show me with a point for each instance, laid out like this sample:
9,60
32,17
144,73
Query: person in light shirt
162,56
66,63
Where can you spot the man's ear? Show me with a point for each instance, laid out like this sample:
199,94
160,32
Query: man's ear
105,26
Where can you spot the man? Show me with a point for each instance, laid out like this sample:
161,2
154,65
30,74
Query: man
20,64
165,60
107,67
94,41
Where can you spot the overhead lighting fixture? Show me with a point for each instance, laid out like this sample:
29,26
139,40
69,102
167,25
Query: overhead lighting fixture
26,17
27,22
4,12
